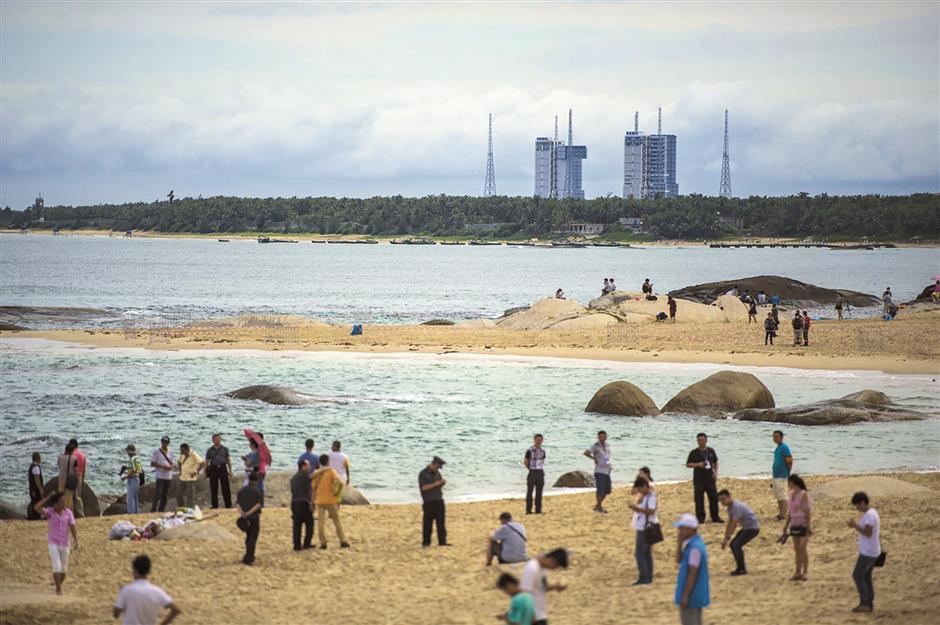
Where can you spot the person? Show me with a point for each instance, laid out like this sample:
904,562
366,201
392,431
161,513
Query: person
887,298
521,605
797,324
431,485
752,313
692,586
508,542
840,304
140,602
559,294
935,295
647,475
780,472
162,461
340,462
644,513
739,515
264,458
647,288
798,525
806,324
672,308
746,298
248,505
61,521
68,478
301,505
704,464
868,530
252,460
599,452
733,291
219,470
535,480
606,289
327,487
761,299
535,581
770,329
133,475
612,286
188,465
312,459
81,461
35,486
775,313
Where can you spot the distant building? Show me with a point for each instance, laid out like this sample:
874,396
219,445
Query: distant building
559,166
581,228
649,165
635,160
633,223
662,166
546,169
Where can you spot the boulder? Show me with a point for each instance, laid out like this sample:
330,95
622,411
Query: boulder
734,309
586,322
543,315
276,395
438,322
926,295
89,500
635,305
476,324
868,396
116,508
352,496
791,292
622,398
11,512
197,530
831,412
722,392
575,479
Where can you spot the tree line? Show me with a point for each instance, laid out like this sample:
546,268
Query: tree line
685,217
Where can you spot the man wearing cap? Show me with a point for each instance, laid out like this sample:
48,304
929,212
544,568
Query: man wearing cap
431,484
508,543
162,461
219,470
134,471
692,591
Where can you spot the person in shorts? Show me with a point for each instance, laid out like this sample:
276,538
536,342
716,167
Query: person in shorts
782,466
599,452
798,525
140,602
61,523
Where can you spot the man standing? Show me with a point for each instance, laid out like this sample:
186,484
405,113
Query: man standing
770,329
599,452
887,299
672,308
739,514
188,465
301,505
327,491
868,529
340,462
35,484
134,471
309,456
219,469
797,324
535,480
248,504
162,461
68,479
806,324
140,601
535,581
692,589
78,506
508,543
431,484
704,464
783,465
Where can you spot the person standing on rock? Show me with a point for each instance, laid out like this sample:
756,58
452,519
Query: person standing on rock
189,464
770,329
312,459
671,303
162,461
219,470
248,503
599,452
301,505
739,515
264,458
797,324
704,464
35,485
81,462
68,478
868,529
806,324
327,494
61,523
431,485
140,602
132,477
535,480
339,462
780,471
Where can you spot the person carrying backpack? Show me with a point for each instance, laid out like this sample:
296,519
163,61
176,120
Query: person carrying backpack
797,324
770,329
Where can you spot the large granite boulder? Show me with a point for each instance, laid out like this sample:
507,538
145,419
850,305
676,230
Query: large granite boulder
276,395
575,479
722,392
868,396
622,398
115,509
791,292
11,512
352,496
89,499
831,412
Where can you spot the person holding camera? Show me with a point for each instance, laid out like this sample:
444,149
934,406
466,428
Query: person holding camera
133,475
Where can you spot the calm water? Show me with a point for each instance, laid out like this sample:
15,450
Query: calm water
398,284
394,411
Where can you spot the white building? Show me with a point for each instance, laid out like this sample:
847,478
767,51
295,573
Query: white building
634,165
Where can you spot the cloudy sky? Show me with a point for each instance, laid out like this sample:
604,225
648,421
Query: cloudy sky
107,102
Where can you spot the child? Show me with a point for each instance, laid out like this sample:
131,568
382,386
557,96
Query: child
521,606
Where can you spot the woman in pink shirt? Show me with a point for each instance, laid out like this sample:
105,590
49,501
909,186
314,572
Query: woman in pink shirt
798,525
61,523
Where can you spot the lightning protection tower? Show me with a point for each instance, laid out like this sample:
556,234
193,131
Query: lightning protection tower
725,189
489,187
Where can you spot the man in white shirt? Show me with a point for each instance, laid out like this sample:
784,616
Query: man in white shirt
162,460
140,601
868,529
599,452
535,581
339,462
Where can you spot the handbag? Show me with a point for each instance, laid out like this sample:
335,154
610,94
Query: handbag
880,562
653,531
243,523
71,480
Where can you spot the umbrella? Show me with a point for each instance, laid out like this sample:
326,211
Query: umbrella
264,454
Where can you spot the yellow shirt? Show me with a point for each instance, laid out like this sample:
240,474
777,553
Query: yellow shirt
189,466
323,480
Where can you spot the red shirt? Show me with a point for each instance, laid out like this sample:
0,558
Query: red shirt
80,462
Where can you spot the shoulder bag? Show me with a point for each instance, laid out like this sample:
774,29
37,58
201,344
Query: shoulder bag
653,531
71,480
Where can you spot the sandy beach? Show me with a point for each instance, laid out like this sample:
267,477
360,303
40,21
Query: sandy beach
387,578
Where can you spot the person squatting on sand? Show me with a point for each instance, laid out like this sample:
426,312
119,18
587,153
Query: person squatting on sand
692,587
508,542
521,605
535,581
780,472
431,485
644,516
704,464
739,515
61,522
599,452
798,525
219,470
535,479
248,504
870,555
140,602
327,495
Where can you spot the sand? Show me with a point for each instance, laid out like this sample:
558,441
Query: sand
387,578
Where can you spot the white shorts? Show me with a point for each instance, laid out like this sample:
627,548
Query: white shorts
60,558
780,488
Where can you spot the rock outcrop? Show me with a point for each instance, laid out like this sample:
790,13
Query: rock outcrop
275,395
831,412
634,307
575,479
352,496
542,315
12,512
622,398
89,499
438,322
722,392
115,509
791,292
868,396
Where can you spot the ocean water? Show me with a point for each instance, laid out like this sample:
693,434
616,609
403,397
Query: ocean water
396,283
393,412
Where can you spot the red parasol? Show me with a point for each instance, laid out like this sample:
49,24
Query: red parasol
264,454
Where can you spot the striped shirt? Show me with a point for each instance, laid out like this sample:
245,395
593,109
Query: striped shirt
536,458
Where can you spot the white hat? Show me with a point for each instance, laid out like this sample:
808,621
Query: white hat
687,520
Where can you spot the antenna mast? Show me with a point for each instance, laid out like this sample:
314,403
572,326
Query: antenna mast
724,189
489,187
659,128
636,121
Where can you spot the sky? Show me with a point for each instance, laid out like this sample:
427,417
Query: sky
106,102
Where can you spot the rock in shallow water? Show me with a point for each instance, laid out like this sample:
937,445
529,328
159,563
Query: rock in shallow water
722,392
831,412
622,398
276,395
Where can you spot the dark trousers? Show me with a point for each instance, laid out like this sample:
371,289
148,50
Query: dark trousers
160,494
251,538
737,546
768,338
302,515
218,476
644,557
535,482
433,514
864,567
31,514
805,336
703,485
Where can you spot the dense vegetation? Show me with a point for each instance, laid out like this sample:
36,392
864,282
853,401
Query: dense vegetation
689,217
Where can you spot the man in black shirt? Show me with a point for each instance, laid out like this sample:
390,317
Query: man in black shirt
301,498
248,503
34,480
219,468
430,482
704,464
535,481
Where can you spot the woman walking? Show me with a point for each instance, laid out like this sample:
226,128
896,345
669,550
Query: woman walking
798,525
61,523
644,515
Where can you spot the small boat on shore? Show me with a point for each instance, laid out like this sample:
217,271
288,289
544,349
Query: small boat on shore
570,244
270,240
413,242
452,243
223,241
485,243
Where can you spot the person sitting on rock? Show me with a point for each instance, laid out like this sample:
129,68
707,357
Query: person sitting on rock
559,294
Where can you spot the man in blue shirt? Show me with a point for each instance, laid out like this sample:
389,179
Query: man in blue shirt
783,464
692,590
309,456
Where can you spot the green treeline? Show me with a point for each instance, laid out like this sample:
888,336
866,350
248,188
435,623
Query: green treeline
688,217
